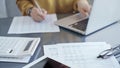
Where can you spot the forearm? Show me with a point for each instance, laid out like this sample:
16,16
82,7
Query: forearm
24,5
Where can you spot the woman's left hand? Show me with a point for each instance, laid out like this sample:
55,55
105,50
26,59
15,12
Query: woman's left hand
84,7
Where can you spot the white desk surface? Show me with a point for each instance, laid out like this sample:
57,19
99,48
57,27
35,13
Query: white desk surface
110,35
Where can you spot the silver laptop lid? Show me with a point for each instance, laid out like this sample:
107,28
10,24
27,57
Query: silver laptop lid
104,13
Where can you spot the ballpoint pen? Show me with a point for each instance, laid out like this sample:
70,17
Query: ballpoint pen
38,6
109,52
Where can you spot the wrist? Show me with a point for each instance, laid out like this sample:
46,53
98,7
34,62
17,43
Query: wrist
29,11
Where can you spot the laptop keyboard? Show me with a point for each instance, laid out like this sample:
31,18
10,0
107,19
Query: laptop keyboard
81,25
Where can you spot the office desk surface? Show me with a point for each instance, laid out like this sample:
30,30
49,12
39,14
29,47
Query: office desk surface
64,36
109,34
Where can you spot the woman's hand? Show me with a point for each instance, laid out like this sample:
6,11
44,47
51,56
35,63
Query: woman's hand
84,7
38,14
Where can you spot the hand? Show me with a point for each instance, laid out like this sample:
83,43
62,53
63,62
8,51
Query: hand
37,14
84,7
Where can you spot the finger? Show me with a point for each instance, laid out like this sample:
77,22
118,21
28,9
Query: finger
83,13
44,13
87,9
41,16
40,13
86,12
37,18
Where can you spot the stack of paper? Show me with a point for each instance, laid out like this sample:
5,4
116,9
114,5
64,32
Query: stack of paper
25,24
17,49
81,55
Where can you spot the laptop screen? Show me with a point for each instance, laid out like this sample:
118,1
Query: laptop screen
104,13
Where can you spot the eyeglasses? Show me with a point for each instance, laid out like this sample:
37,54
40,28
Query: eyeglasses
109,52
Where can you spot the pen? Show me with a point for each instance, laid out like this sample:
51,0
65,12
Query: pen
38,6
109,52
105,54
41,11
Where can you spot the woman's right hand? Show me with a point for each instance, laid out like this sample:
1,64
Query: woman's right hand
38,14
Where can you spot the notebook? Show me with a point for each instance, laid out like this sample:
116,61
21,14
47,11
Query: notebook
81,55
103,14
17,49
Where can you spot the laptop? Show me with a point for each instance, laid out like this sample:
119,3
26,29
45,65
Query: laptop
103,14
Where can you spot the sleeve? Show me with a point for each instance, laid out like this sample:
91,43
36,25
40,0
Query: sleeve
24,5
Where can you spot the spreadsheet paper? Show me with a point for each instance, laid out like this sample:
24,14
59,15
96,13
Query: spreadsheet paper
25,24
81,55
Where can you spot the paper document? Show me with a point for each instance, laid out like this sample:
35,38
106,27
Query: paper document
17,49
25,24
81,55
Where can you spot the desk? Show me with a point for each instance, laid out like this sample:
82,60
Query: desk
110,35
63,36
